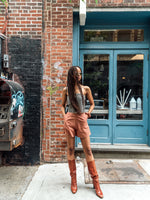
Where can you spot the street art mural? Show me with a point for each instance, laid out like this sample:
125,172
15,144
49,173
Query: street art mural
17,108
12,95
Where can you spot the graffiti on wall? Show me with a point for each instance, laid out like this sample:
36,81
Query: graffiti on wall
54,82
17,108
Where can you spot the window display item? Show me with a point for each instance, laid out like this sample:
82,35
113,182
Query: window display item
132,104
123,100
139,103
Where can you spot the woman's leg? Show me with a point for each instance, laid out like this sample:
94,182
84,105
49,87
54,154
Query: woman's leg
71,162
91,165
70,147
87,149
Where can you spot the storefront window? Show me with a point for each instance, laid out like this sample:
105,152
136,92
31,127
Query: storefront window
96,76
129,87
131,35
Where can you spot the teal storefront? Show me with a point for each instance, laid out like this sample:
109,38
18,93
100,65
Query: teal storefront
113,51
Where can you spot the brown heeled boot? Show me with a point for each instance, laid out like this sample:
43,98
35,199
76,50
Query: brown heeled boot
94,176
72,167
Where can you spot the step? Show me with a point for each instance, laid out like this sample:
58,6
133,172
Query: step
117,151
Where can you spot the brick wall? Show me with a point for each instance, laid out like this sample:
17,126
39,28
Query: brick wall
24,45
2,15
58,48
58,18
118,3
25,18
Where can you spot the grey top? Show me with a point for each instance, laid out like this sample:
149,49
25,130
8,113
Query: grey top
79,100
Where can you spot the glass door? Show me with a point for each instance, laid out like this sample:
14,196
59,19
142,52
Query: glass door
130,87
97,69
96,75
119,83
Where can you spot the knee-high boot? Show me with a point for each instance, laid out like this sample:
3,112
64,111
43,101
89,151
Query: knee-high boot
94,176
72,167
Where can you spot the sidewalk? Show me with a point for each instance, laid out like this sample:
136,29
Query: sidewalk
52,182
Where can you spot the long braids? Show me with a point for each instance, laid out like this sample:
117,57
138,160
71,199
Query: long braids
71,81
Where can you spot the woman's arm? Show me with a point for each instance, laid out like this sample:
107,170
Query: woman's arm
64,99
90,98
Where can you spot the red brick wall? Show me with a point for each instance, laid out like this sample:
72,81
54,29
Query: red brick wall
58,17
2,15
25,18
118,3
58,48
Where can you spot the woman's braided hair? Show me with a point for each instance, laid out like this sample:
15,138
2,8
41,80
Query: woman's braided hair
72,79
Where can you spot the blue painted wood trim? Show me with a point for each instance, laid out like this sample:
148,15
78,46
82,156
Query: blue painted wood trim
104,46
144,122
75,48
112,122
76,36
149,93
105,122
115,45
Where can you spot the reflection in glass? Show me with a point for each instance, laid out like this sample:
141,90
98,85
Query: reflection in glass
96,72
131,35
129,87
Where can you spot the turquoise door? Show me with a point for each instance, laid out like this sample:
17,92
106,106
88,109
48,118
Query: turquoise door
119,83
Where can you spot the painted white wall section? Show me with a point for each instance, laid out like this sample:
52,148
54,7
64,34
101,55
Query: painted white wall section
82,11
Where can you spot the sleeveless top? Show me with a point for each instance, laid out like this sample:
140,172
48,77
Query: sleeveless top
79,100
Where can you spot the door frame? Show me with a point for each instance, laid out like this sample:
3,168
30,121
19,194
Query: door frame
78,44
112,122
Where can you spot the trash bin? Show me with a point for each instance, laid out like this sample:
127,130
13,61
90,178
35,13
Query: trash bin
11,114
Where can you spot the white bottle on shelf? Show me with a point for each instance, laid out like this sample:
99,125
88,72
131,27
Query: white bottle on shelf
132,104
139,103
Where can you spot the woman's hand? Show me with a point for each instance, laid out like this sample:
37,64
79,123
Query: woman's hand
90,98
64,99
88,114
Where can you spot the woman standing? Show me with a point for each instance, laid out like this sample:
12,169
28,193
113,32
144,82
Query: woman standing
75,124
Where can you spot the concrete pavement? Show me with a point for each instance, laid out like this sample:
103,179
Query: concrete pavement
52,182
14,181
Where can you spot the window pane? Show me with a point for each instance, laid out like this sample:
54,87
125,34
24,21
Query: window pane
96,72
132,35
129,87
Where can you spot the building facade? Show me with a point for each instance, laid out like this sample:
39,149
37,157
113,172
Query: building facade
22,42
45,38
